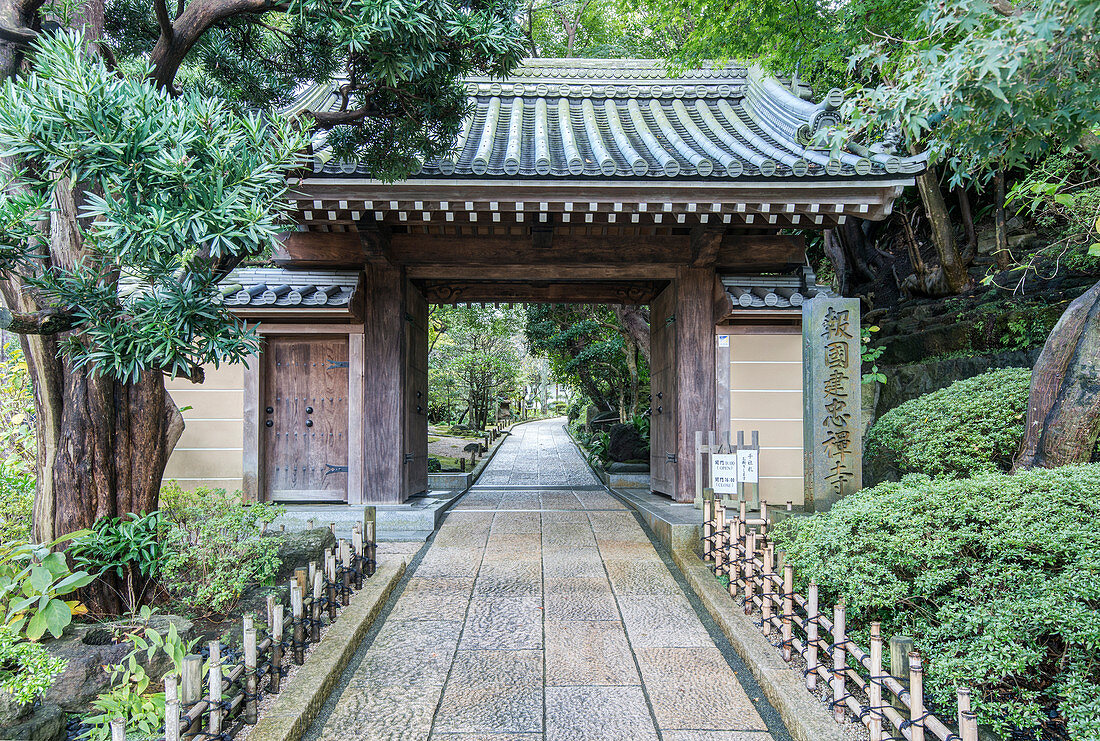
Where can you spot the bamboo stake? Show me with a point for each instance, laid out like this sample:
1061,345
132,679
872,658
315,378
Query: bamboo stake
840,668
118,729
874,684
345,560
750,567
192,688
733,567
299,628
708,528
719,530
372,549
811,636
214,690
968,721
251,683
767,591
276,648
271,600
171,708
312,571
357,549
301,576
788,610
315,608
330,558
916,698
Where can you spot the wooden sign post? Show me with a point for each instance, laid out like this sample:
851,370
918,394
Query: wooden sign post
832,439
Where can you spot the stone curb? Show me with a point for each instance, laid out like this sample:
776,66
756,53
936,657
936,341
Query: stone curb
302,698
806,719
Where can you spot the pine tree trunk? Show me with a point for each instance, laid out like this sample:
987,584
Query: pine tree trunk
1063,412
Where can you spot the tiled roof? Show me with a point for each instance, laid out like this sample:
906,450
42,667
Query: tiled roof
629,119
255,287
771,291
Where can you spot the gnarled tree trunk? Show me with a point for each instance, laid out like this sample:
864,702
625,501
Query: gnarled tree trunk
1063,409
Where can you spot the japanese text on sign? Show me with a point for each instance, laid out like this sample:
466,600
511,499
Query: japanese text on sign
723,473
836,440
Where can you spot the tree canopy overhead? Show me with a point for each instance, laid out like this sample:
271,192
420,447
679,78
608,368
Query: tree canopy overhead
146,155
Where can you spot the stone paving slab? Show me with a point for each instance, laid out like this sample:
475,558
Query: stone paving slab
542,612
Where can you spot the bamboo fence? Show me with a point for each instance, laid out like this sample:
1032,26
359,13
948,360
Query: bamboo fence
235,684
736,545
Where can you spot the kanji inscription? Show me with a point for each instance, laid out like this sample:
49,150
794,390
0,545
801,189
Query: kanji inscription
832,443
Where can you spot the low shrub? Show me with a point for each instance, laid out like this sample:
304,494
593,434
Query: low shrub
974,425
125,552
214,549
996,577
26,669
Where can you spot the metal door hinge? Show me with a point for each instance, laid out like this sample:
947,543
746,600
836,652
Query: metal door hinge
670,457
409,457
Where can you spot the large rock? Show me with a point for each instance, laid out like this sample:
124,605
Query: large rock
296,550
87,650
45,723
626,444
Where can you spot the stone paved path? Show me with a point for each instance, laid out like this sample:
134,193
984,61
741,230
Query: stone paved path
542,611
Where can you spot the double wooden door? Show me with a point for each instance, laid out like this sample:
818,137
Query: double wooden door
304,418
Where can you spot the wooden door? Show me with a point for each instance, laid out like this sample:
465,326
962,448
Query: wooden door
662,383
305,419
416,393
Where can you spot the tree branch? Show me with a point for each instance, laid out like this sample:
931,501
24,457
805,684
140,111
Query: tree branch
328,119
46,321
163,20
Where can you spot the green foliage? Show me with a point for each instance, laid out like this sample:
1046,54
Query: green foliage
814,39
474,363
590,350
599,30
17,446
985,89
33,578
128,697
131,546
997,578
869,354
974,425
26,668
597,446
215,549
172,187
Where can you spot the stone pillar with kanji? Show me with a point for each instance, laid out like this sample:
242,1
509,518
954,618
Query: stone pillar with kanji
832,442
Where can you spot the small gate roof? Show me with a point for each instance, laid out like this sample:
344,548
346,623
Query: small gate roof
629,119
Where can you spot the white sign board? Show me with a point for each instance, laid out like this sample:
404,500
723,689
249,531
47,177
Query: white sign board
723,473
748,462
723,340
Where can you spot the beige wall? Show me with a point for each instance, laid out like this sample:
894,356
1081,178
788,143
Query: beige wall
765,394
210,451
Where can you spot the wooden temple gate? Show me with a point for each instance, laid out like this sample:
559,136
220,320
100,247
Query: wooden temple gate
592,181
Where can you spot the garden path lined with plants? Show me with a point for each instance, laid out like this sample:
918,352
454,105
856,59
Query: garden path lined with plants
542,610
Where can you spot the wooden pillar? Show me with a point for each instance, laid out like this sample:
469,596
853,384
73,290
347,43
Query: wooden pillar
416,392
695,370
384,404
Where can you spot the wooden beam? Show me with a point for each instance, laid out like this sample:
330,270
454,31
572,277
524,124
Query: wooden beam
732,251
383,409
560,272
586,292
705,244
694,369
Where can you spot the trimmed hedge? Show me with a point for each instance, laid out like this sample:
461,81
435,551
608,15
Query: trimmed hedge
972,426
996,577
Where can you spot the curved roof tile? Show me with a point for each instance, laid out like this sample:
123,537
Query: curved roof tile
630,119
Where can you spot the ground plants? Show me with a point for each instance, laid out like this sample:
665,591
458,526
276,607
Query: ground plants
129,697
974,425
26,668
33,579
125,553
215,548
997,578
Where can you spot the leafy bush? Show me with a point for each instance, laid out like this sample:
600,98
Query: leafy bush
33,578
214,549
997,578
129,547
26,669
972,426
17,446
